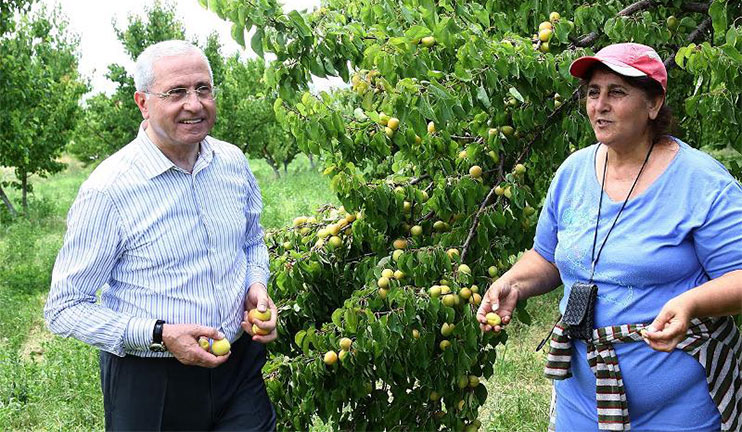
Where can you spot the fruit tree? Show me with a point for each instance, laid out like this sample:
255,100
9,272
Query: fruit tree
461,113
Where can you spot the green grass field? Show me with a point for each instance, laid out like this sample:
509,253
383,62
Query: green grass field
52,383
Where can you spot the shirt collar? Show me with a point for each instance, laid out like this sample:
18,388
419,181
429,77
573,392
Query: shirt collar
154,162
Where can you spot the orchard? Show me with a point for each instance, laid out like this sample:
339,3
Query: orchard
440,151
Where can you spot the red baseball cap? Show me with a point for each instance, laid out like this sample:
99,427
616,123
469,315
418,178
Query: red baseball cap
627,59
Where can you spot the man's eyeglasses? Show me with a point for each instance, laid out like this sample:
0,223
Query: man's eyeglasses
180,94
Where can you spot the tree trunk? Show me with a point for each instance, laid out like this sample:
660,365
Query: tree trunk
24,193
286,168
7,202
311,161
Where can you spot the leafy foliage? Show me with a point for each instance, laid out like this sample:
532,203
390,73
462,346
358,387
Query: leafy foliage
458,118
40,88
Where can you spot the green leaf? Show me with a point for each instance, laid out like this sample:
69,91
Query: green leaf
718,14
238,34
256,42
516,94
299,24
483,97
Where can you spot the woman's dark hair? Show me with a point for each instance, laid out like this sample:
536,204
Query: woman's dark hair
664,123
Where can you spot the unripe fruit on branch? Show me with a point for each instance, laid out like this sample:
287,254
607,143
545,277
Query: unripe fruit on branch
431,127
387,273
492,270
465,293
398,275
462,382
393,123
453,252
520,169
434,291
447,329
400,244
545,25
396,254
300,220
463,268
554,16
508,193
544,48
475,299
384,119
473,381
462,154
507,130
220,347
345,343
475,171
330,358
474,289
428,41
383,282
444,345
449,300
434,396
499,190
342,355
335,241
416,230
440,226
544,35
389,132
672,23
415,333
493,319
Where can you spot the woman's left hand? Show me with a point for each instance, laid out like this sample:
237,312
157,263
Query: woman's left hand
670,326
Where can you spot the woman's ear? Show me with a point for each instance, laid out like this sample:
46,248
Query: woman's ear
654,105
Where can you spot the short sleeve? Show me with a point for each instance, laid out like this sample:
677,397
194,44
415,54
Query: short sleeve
545,242
718,241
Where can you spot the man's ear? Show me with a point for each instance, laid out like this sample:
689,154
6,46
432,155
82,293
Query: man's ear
141,100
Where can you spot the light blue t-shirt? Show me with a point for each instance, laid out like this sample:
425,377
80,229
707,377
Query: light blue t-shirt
684,229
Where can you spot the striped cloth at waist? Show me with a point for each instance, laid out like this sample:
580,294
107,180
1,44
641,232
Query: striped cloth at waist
711,341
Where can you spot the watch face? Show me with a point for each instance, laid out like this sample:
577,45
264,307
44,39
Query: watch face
157,347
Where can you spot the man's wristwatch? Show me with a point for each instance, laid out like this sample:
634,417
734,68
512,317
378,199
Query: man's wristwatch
157,345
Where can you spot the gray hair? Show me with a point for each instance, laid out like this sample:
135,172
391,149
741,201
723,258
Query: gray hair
144,69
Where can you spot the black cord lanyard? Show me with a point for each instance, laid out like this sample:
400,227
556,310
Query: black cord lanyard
593,258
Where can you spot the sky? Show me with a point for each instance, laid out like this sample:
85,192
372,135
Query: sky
91,20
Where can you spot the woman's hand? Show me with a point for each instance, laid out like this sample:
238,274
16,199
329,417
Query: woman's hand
670,326
501,298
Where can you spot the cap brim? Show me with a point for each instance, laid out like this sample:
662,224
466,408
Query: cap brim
579,67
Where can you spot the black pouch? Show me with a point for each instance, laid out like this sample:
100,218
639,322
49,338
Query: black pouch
580,312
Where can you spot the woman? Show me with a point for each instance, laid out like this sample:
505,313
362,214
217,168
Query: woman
657,227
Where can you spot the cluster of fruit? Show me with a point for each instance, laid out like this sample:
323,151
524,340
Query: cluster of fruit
330,234
545,32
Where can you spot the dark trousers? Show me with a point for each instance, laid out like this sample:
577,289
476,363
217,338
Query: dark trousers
164,394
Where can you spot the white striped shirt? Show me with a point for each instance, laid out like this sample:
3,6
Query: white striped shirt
160,243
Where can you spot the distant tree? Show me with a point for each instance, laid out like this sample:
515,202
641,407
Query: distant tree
39,92
110,122
8,9
246,117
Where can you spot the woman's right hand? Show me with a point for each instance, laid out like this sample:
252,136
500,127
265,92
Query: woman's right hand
501,298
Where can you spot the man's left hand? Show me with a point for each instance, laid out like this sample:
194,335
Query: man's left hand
258,299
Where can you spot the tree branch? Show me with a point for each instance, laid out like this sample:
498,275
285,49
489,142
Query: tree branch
628,10
7,202
696,7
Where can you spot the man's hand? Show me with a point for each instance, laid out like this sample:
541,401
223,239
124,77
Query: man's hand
501,298
670,326
258,298
182,341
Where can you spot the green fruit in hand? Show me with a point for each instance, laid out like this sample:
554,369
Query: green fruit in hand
493,319
203,342
220,347
255,314
259,331
330,358
345,343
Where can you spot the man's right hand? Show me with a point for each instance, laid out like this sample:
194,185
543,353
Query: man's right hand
501,298
182,341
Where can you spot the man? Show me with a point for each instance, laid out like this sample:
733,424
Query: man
168,230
